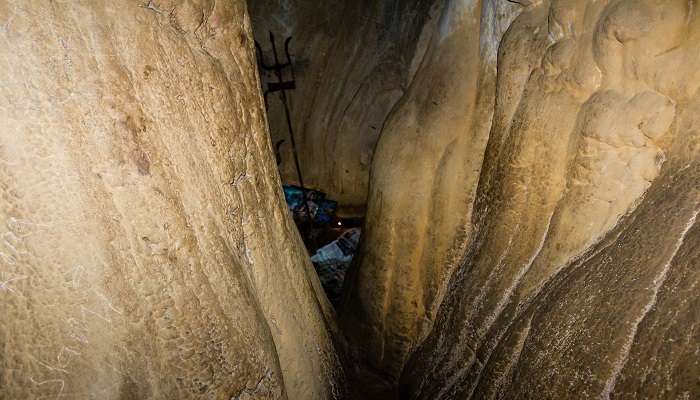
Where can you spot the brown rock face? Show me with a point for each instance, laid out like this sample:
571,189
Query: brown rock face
353,61
579,279
144,248
423,182
532,218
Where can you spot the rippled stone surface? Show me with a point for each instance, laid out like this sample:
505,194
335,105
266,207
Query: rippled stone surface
144,248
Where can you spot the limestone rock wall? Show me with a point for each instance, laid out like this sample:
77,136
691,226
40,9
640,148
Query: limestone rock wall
532,212
580,276
423,182
353,61
144,248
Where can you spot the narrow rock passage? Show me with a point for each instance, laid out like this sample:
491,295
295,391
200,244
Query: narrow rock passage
530,137
525,176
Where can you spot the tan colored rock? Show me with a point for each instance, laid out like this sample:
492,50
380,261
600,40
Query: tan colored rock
423,183
144,248
353,61
532,220
578,279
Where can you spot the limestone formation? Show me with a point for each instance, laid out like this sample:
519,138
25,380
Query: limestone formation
532,199
579,279
587,109
144,248
353,62
423,182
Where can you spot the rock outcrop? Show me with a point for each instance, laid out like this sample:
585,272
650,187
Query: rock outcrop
563,264
145,251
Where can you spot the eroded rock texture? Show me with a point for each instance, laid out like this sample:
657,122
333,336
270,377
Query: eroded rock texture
532,214
581,275
423,182
353,61
144,248
563,248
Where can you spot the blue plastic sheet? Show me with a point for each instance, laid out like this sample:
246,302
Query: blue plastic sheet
322,210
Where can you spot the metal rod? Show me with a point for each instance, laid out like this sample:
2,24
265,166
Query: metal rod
277,67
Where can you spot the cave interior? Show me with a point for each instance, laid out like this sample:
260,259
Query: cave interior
368,199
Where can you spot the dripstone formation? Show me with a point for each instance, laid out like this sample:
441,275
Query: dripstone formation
529,169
